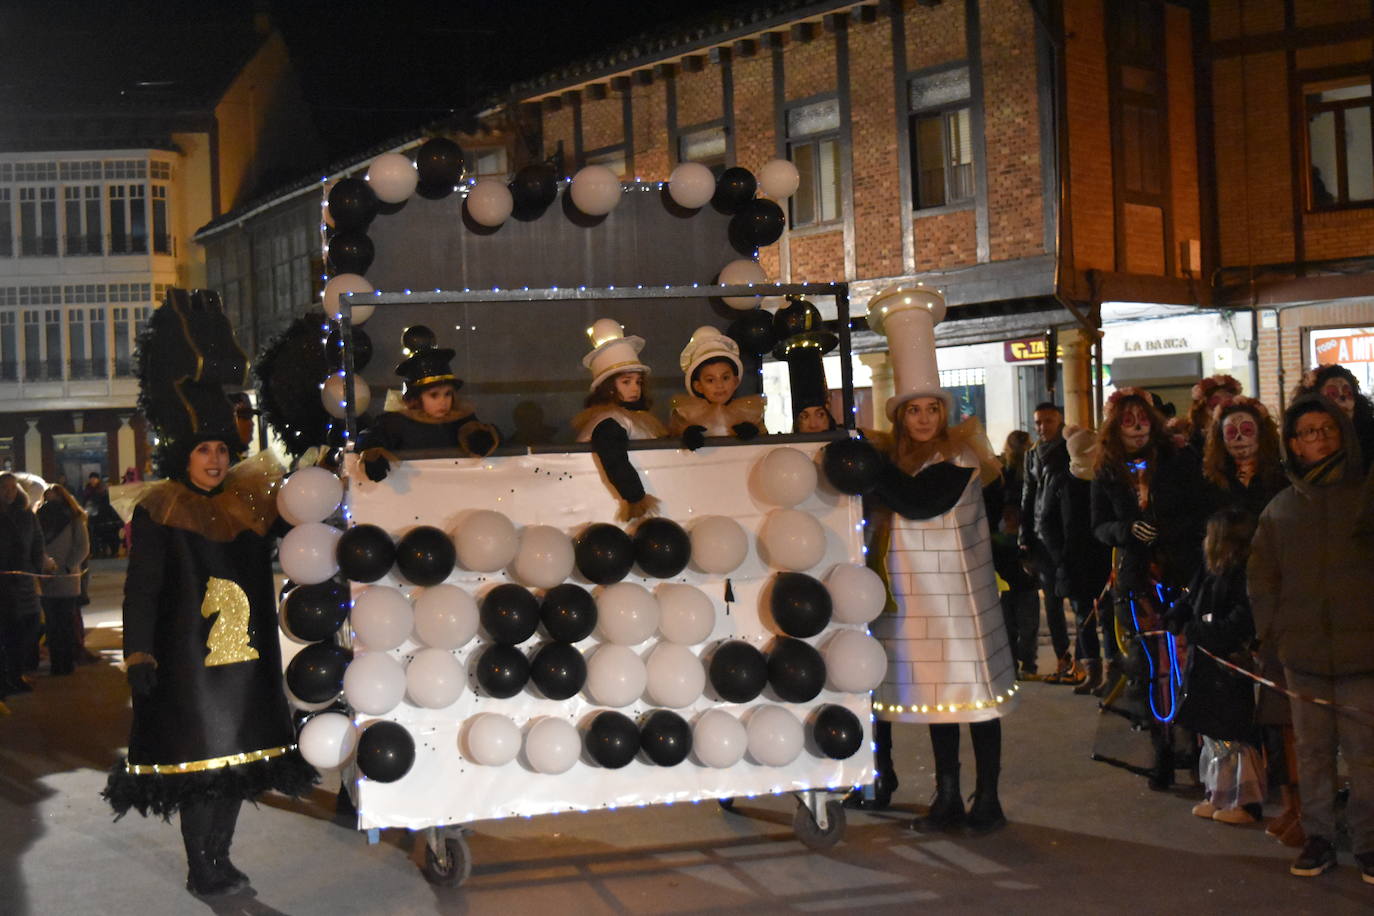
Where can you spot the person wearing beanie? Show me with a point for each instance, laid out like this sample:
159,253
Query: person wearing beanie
712,371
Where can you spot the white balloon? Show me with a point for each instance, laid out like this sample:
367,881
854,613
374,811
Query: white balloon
332,395
719,739
374,683
615,676
486,541
779,179
676,676
691,185
595,190
854,662
545,557
626,613
307,553
392,177
739,272
347,283
309,495
785,477
297,703
719,544
381,618
490,202
328,740
775,736
435,679
493,739
552,746
792,540
445,617
857,593
686,615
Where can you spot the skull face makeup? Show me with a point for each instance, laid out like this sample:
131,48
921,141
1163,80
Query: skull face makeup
1339,391
1135,428
1240,432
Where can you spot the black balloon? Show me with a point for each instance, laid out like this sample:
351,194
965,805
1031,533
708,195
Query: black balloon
386,752
838,732
797,317
350,252
734,188
316,673
502,671
558,670
612,740
801,605
796,670
852,466
417,337
568,612
439,163
351,204
315,612
666,738
425,555
758,222
662,548
753,331
738,671
365,553
534,188
510,614
362,349
604,553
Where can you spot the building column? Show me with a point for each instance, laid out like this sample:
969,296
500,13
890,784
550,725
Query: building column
33,447
1076,347
125,447
883,387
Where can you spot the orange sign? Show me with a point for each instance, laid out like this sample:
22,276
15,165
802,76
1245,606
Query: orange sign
1027,350
1351,348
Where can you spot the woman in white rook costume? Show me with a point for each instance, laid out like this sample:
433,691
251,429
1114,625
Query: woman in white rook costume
948,656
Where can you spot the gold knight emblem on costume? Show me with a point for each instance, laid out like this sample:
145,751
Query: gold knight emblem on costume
228,640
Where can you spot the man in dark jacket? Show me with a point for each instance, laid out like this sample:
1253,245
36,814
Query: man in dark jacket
1046,460
1309,590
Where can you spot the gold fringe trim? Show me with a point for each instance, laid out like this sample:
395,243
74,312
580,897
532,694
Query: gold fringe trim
213,763
248,501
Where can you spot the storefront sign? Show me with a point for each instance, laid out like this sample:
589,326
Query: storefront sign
1345,348
1027,350
1156,345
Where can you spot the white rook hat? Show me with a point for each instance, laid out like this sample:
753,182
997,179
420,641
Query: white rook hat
906,316
707,343
612,351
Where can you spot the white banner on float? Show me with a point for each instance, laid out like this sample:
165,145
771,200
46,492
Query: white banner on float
567,491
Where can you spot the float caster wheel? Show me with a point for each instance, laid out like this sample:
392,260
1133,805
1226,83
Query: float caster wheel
448,862
819,821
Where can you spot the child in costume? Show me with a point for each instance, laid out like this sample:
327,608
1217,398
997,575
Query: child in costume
712,371
806,379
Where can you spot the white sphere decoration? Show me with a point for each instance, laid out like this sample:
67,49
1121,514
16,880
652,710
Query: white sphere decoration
719,739
374,683
779,179
332,395
381,618
310,494
854,662
435,679
775,736
296,702
785,477
686,615
347,283
595,190
307,553
676,676
392,177
328,740
486,541
626,613
493,739
857,593
737,273
792,540
545,556
719,544
446,617
691,185
615,676
490,202
553,746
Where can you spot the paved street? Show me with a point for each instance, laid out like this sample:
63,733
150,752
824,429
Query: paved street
1084,837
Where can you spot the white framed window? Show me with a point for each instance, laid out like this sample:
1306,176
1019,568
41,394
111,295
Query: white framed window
128,218
162,227
84,233
489,162
941,139
9,345
38,221
6,224
705,145
1340,143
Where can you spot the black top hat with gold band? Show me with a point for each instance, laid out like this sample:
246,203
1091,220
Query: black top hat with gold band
805,371
425,369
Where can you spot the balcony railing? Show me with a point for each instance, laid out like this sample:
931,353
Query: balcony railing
38,246
87,369
43,370
124,368
9,372
84,244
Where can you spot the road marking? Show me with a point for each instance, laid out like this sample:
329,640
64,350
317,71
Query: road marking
920,858
970,862
854,903
802,875
1016,886
779,848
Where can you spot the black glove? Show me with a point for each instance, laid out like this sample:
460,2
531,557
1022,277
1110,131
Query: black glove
376,469
693,437
142,679
745,431
480,442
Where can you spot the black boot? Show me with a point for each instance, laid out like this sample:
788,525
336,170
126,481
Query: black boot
985,815
885,781
202,879
226,817
947,809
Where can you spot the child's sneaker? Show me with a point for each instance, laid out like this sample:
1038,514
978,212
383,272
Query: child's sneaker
1366,863
1205,809
1234,816
1318,856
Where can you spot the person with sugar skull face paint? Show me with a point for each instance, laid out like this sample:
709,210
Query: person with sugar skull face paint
1241,459
1209,395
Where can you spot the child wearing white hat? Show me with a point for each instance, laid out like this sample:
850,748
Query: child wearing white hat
712,371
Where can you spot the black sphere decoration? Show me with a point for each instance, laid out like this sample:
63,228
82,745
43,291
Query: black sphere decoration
510,614
418,337
386,752
801,605
362,349
796,670
662,548
351,204
838,732
734,188
425,556
666,738
797,317
604,553
534,188
738,671
612,740
568,612
439,163
558,670
502,671
753,331
852,466
759,222
315,674
315,612
365,553
350,252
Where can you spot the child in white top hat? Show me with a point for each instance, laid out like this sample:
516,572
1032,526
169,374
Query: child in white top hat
712,371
